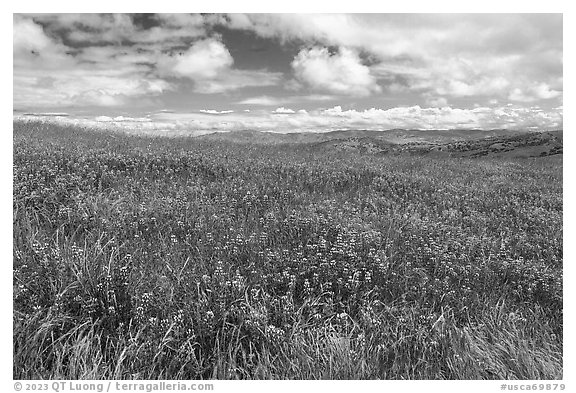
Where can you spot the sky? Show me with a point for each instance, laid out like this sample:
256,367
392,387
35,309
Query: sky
200,73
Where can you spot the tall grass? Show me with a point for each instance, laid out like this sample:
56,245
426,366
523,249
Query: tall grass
182,259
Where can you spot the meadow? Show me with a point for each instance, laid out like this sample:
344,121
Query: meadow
179,258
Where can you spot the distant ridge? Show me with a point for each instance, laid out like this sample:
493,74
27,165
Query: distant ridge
522,145
455,143
397,136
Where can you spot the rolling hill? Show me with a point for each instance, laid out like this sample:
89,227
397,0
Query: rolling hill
454,143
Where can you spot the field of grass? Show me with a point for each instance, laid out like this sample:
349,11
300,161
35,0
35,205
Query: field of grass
192,259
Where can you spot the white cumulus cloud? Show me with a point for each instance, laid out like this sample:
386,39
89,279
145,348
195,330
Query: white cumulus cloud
204,59
209,63
338,73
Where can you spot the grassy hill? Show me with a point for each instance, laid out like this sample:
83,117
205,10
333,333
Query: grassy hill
397,136
524,145
198,258
455,143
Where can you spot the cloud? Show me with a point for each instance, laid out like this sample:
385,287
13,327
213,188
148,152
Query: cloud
47,114
316,97
234,79
481,86
439,102
544,92
455,55
123,28
282,110
444,118
214,112
112,60
335,118
275,101
33,48
392,36
518,95
540,91
205,59
260,100
122,119
48,74
209,64
338,73
180,20
28,36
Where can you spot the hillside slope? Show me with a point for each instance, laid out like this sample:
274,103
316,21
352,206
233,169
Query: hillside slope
513,146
